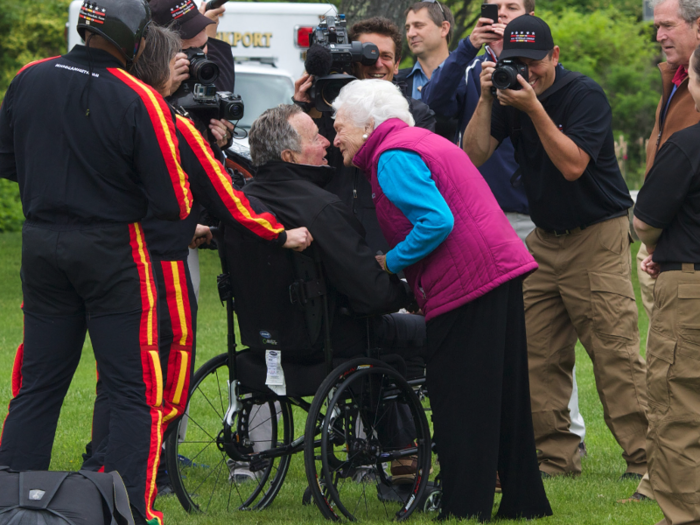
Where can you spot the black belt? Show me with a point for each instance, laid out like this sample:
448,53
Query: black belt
675,267
560,233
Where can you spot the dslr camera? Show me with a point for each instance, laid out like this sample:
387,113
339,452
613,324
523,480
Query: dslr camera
332,35
198,95
505,76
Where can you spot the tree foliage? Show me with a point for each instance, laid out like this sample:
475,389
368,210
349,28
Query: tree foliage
31,31
604,39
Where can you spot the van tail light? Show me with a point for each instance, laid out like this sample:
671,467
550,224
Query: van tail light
302,35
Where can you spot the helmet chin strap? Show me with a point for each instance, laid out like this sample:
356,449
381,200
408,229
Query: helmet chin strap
86,89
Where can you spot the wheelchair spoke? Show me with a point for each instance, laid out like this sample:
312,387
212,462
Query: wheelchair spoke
213,460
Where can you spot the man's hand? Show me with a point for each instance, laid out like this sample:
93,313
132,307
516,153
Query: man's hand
523,99
179,72
222,131
486,32
651,267
215,15
485,78
298,239
301,88
202,234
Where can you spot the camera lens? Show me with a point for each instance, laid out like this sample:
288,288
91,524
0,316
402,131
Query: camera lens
233,111
204,71
504,77
331,90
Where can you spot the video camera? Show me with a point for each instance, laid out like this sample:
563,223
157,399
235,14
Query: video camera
330,60
198,95
505,75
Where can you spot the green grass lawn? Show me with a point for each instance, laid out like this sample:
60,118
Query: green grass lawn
588,499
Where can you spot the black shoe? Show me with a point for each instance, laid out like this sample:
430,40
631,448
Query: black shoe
166,489
634,498
138,519
631,475
544,475
582,449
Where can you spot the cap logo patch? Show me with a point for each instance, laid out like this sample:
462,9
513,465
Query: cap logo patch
92,14
182,9
522,37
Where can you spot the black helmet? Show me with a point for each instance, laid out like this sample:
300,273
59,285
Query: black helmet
122,22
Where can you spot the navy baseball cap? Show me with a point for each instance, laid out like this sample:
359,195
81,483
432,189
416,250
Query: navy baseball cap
527,36
182,14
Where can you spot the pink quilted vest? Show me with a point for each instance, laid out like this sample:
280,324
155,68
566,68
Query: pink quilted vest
482,251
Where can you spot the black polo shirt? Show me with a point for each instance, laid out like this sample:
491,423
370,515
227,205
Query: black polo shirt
579,109
670,198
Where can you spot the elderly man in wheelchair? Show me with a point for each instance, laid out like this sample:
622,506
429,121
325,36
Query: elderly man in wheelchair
318,323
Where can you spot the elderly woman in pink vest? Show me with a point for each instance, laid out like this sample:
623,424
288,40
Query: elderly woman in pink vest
465,265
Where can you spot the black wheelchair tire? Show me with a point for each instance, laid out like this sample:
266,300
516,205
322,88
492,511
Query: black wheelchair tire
321,463
209,401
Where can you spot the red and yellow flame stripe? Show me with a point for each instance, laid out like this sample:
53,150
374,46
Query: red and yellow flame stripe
163,125
262,224
148,332
179,309
36,62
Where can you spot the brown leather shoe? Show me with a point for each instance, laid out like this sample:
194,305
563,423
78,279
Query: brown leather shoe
403,470
635,498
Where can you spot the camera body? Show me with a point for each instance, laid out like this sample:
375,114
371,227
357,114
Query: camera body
198,94
331,33
505,75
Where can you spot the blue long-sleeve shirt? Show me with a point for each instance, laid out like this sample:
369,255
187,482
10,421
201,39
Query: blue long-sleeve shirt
454,89
407,183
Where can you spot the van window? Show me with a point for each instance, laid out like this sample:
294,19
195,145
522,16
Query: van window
261,92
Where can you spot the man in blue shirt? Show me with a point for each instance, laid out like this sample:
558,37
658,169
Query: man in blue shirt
429,28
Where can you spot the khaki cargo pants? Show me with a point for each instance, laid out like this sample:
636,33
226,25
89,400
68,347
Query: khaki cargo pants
673,381
583,290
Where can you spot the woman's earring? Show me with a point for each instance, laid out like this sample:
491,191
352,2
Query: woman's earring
365,136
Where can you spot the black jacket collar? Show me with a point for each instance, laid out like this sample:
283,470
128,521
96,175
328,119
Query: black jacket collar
99,57
275,171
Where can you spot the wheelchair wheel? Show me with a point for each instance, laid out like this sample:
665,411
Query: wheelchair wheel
365,422
214,467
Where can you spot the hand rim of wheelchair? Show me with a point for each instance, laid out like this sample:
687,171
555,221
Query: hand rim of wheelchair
323,486
222,438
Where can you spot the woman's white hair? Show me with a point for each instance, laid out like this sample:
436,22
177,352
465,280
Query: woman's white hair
374,99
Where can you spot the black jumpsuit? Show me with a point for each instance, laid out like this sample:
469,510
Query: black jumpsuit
92,149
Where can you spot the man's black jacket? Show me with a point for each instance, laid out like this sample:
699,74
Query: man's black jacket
295,194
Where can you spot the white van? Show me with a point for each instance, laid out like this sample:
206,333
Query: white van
272,32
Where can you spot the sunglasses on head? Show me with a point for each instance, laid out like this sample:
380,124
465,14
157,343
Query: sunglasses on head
438,4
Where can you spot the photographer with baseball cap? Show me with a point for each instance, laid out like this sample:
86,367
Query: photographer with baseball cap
560,125
197,29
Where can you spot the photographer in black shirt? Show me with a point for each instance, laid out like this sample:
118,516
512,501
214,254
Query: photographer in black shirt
560,125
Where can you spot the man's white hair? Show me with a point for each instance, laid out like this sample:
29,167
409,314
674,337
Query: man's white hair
688,10
375,99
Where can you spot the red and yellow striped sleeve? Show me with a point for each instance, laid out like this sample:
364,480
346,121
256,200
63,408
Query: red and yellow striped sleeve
37,62
262,224
164,128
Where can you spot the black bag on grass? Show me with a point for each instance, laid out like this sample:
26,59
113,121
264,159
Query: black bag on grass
63,498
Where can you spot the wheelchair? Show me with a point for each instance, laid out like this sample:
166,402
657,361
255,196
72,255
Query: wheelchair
232,447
